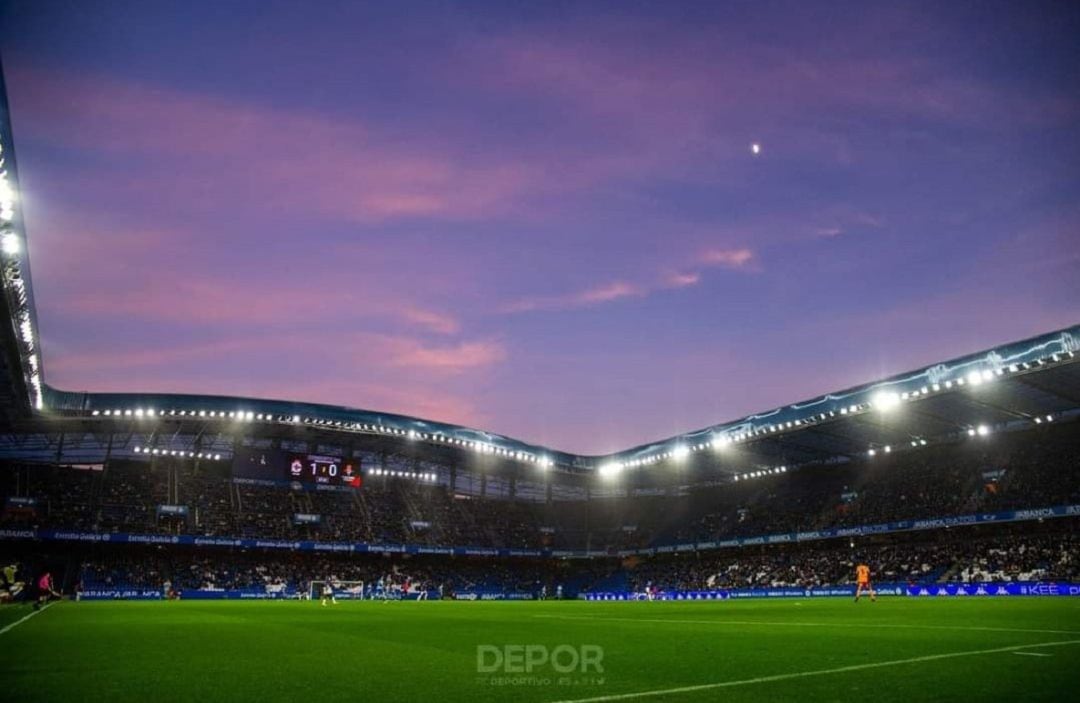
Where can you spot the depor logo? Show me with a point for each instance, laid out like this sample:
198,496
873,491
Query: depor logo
534,658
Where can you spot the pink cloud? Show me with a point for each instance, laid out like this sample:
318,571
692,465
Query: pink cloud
281,160
677,279
434,321
404,351
620,290
728,258
606,293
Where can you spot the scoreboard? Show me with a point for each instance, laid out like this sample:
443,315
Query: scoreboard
277,465
319,468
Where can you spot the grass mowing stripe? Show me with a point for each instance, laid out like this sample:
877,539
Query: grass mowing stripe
817,672
783,623
24,618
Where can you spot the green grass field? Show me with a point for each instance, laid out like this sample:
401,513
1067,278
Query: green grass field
894,650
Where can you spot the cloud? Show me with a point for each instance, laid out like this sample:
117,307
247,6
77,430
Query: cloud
828,232
607,293
597,295
678,279
220,152
434,321
86,362
728,258
403,351
742,258
843,221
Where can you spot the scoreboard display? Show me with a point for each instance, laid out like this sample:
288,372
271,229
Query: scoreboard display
319,468
277,465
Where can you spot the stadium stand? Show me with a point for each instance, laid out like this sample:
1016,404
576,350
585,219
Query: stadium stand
1026,470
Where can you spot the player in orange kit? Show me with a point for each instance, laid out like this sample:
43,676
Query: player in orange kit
862,582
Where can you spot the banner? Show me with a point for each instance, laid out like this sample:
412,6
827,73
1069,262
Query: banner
1015,588
186,594
491,595
1060,511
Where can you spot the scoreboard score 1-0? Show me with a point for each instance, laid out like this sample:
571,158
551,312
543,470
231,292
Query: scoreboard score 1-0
319,468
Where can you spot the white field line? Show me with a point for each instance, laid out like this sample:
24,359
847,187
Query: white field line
24,618
816,672
1033,654
766,623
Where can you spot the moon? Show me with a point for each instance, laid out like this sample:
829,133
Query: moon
755,148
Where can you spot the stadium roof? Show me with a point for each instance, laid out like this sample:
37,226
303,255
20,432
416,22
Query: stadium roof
1015,385
1009,387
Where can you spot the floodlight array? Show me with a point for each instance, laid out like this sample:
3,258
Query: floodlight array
15,272
428,477
178,453
244,416
883,399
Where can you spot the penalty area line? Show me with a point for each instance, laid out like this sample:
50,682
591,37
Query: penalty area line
815,672
24,618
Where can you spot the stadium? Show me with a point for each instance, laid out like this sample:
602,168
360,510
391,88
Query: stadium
211,547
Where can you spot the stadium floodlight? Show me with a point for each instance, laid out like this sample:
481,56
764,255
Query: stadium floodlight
888,448
610,469
982,430
872,452
885,400
11,244
974,378
680,452
1049,418
971,432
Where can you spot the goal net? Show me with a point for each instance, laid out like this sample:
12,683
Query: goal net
343,590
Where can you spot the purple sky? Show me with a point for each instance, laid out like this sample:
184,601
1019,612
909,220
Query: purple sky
542,219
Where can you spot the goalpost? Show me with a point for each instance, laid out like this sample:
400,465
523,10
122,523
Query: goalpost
343,590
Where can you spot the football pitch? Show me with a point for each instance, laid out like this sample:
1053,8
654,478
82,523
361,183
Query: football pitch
897,649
